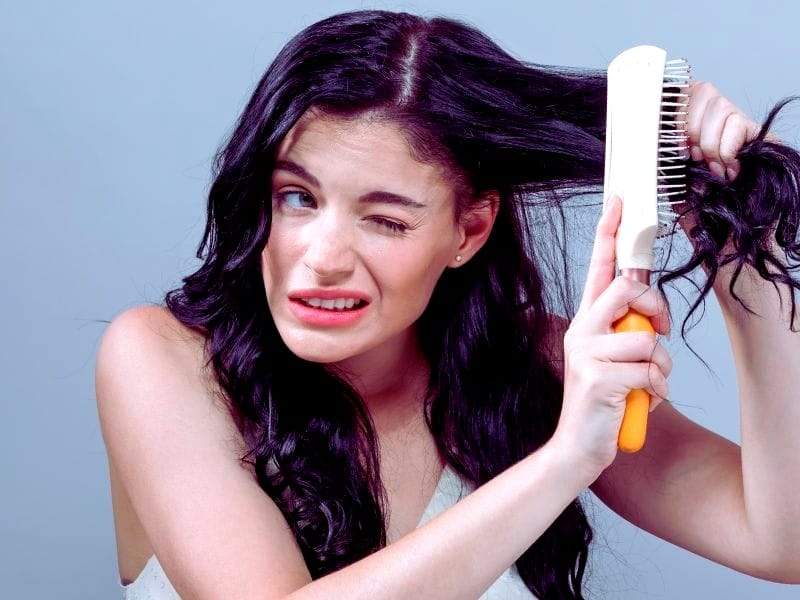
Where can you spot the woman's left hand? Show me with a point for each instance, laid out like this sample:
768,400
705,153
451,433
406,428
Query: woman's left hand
717,129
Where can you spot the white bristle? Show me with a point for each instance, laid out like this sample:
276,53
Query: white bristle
673,142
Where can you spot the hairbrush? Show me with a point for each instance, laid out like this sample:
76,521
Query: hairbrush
645,164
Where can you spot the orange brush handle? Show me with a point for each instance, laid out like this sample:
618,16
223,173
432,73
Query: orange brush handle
637,403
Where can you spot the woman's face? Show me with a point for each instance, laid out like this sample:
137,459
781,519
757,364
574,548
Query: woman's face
354,218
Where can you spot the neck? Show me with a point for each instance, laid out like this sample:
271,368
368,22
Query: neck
392,380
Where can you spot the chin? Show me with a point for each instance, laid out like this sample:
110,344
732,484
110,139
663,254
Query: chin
316,347
319,355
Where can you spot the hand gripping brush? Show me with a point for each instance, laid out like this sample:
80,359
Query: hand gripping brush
645,164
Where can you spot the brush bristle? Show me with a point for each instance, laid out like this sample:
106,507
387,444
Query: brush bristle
673,150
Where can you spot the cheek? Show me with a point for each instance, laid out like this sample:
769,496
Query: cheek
277,257
410,276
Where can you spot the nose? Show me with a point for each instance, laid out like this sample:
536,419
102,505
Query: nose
329,252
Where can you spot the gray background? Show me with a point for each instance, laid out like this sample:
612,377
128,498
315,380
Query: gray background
109,116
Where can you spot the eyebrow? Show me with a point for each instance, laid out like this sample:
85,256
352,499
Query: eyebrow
374,197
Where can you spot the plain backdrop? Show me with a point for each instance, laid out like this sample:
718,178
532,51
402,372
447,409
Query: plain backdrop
110,114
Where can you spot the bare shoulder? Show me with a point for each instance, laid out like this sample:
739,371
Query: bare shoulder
146,348
150,325
142,330
174,448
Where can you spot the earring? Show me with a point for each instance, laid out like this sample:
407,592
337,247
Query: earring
458,258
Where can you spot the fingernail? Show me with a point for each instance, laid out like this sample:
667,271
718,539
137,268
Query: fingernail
697,153
732,173
717,169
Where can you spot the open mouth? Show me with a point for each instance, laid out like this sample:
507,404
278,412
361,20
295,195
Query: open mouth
338,305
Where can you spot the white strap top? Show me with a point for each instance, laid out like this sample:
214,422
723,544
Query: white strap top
153,584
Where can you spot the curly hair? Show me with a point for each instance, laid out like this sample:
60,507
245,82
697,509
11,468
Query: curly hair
534,134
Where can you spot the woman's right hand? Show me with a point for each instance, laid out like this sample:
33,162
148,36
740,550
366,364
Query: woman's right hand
600,366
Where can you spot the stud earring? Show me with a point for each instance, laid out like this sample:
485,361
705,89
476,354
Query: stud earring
458,258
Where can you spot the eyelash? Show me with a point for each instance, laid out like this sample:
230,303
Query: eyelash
393,226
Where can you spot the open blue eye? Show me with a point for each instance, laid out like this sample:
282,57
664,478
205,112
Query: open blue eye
296,199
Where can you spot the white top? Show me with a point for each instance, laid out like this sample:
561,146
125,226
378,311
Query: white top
152,582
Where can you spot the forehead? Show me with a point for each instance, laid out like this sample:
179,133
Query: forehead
363,152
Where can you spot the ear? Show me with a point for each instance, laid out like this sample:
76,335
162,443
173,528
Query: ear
475,226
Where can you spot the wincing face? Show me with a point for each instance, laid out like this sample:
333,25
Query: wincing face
361,232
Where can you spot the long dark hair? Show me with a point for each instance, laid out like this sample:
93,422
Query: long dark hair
532,133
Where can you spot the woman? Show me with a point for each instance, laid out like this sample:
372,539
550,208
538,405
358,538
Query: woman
373,336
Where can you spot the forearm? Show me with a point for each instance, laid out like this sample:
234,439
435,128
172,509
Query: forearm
461,552
767,358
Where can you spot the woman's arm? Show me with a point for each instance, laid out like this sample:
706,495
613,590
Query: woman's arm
734,505
690,486
218,535
766,354
767,358
467,547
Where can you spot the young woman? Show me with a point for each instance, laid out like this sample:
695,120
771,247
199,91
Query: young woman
366,391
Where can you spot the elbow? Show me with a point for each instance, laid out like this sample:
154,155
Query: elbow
787,570
780,567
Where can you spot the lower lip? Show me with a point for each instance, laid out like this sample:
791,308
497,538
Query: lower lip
327,318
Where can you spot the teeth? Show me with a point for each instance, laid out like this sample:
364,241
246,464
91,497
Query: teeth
332,304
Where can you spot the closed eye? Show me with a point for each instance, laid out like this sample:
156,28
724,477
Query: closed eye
392,225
